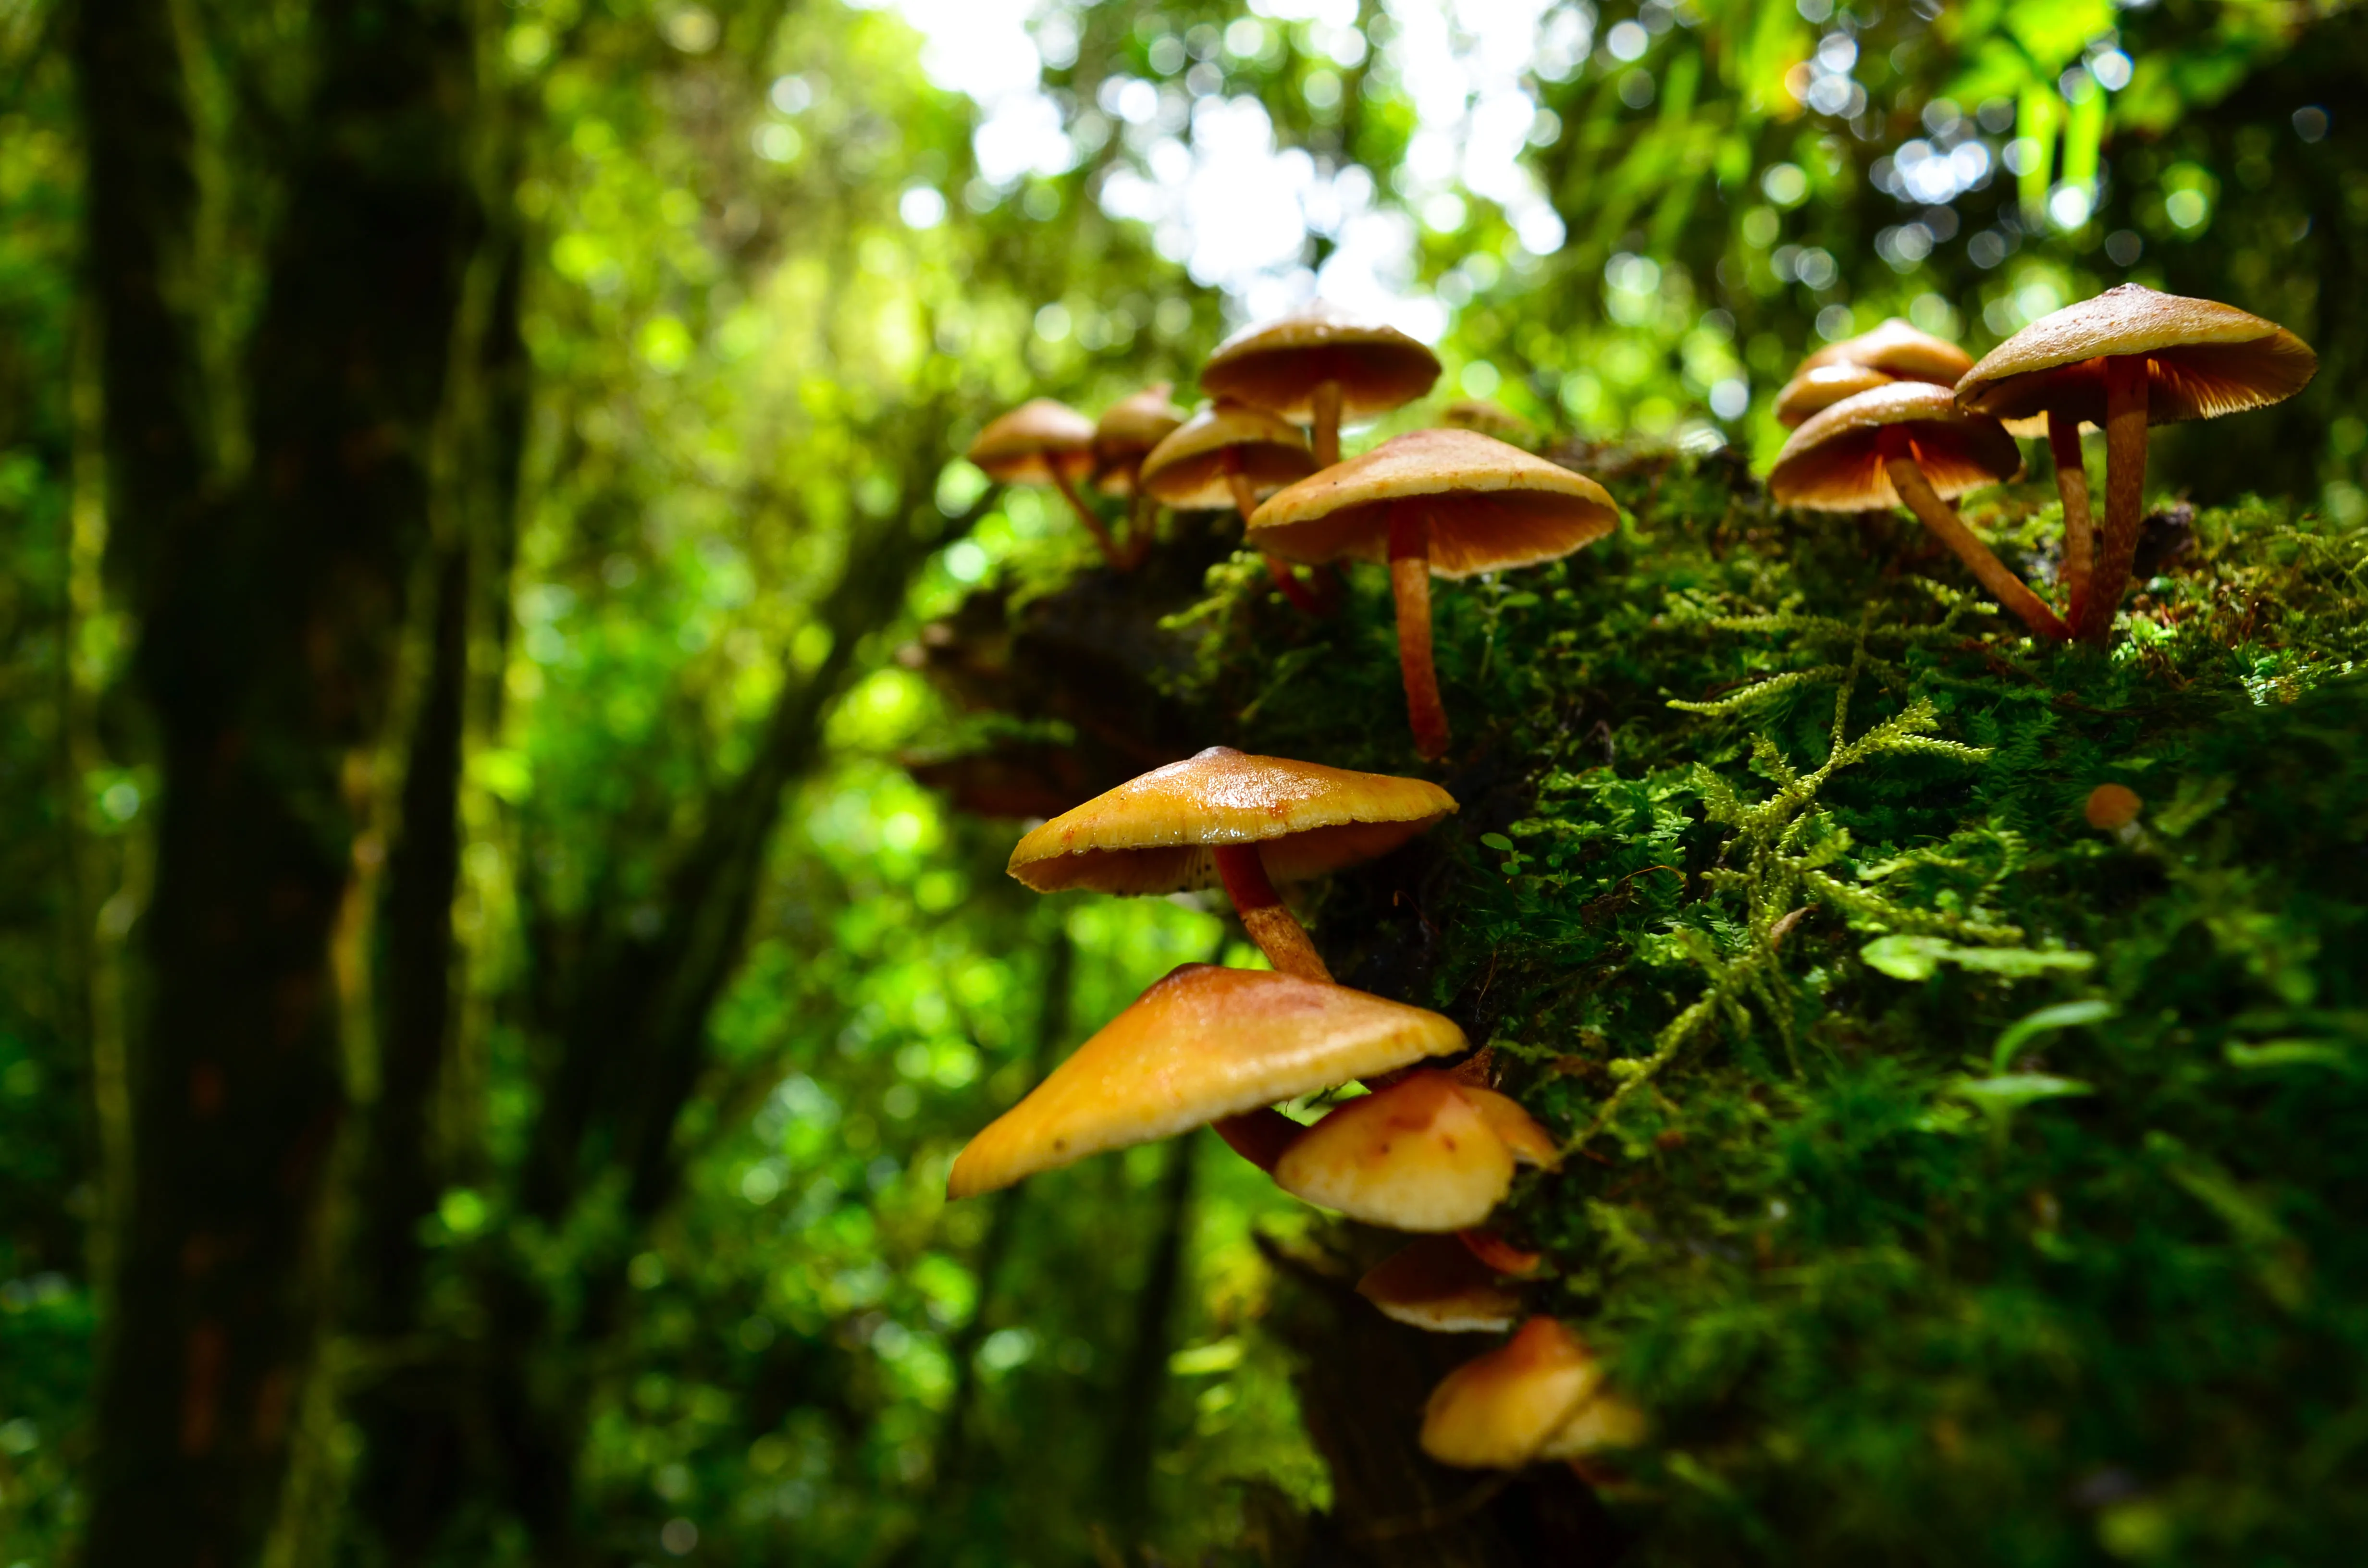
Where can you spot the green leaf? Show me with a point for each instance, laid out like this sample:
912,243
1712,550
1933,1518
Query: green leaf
1919,958
2011,1091
1498,841
2062,1015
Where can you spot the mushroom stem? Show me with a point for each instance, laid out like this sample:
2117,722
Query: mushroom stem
1937,515
1277,568
1324,406
2072,484
1259,1136
1142,524
1410,586
1280,936
1109,546
2126,464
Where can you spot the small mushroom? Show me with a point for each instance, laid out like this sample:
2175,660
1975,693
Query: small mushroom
1817,390
1490,419
1044,442
1434,503
1230,454
1124,436
2128,358
1540,1395
2113,807
1319,366
1909,443
1426,1153
1204,1045
1437,1285
1899,349
1242,821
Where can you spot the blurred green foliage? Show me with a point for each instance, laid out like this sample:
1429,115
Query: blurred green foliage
771,292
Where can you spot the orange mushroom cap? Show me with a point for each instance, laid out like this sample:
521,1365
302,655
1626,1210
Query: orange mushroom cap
1419,1155
1900,350
2203,359
1201,1044
1026,445
2112,806
1277,365
1491,506
1437,1285
1822,386
1835,463
1538,1396
1126,433
1187,468
1153,835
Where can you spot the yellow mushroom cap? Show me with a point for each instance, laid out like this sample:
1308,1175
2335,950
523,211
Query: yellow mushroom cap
1187,468
1540,1395
1277,365
1834,463
2203,359
1418,1155
1023,446
1900,350
1530,1144
1822,386
1126,433
1491,506
1437,1285
1201,1044
1153,835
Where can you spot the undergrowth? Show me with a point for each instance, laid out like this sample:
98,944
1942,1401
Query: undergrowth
1953,1181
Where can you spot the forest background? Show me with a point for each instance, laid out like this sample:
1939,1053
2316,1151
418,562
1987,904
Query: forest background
476,976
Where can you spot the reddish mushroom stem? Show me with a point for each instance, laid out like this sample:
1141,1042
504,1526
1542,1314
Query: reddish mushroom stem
1915,491
1109,546
1142,524
2080,531
1259,1136
2125,465
1323,409
1410,586
1277,568
1279,936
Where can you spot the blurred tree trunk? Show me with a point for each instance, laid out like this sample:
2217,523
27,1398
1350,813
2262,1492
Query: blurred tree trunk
272,607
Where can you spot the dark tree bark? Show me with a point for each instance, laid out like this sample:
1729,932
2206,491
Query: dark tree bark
272,617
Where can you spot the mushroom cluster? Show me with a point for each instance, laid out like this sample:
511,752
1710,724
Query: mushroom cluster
1897,418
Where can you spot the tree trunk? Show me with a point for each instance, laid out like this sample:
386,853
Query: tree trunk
272,619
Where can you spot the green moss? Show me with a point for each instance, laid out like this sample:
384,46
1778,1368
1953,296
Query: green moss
1952,1181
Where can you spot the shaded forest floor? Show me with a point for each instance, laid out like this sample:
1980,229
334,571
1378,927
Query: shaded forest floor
1953,1180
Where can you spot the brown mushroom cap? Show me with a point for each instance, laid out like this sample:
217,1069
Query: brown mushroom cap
1126,433
1834,463
1418,1155
1153,835
1436,1284
2203,359
1900,350
1819,388
1277,365
1494,506
1023,446
1540,1395
1187,468
1202,1044
1489,419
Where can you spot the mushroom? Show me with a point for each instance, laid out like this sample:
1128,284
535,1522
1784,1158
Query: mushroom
1436,1284
1318,366
1202,1045
1909,443
2111,807
1124,436
1246,822
2125,359
1490,419
1900,350
1044,442
1434,503
1815,389
1230,454
1427,1154
1540,1395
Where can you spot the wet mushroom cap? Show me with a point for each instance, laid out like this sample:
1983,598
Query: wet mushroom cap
1201,1044
1815,391
1900,350
1187,470
1154,835
2203,359
1540,1395
1024,445
1416,1156
1277,365
1126,433
1496,507
1437,1285
1835,463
